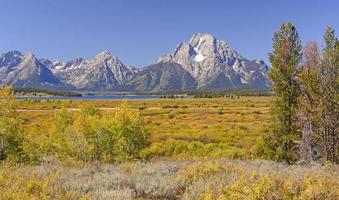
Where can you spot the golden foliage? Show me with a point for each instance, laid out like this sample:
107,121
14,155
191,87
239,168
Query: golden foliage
22,186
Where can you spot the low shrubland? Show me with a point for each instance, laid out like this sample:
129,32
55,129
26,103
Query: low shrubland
22,183
179,179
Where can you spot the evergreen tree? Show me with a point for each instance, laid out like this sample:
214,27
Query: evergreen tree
285,58
328,102
308,103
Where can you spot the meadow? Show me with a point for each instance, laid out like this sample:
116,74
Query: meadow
198,148
180,128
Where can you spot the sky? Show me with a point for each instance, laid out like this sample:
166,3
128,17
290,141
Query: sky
140,31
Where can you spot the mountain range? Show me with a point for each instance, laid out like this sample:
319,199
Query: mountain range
203,63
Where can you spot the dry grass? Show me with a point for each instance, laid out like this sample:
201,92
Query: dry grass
199,179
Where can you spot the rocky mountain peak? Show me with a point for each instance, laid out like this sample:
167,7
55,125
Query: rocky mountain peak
201,46
10,58
259,61
75,62
103,55
29,57
214,64
58,63
13,54
46,62
25,70
205,39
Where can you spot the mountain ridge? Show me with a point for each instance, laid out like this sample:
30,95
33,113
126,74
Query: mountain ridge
201,63
206,58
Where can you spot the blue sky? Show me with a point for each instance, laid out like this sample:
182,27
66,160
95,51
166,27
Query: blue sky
139,31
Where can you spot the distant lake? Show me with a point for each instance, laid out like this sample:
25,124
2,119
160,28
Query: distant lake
92,97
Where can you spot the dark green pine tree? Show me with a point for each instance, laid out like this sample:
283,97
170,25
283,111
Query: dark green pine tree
279,144
328,102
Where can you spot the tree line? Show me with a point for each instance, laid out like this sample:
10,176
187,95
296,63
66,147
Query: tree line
305,110
36,91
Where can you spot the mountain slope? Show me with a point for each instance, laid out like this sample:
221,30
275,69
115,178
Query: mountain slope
162,77
24,70
215,65
103,72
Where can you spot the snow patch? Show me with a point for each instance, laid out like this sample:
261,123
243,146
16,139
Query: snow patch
243,81
59,67
198,56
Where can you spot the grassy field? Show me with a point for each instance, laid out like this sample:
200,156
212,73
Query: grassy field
216,127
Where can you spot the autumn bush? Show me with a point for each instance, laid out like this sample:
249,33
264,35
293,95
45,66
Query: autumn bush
31,186
309,187
253,181
15,145
93,136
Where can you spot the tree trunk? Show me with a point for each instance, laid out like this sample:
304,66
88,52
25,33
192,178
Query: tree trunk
308,151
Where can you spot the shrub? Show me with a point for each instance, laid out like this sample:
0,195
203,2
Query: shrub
31,186
166,106
171,116
131,135
142,107
277,187
175,106
11,133
91,136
